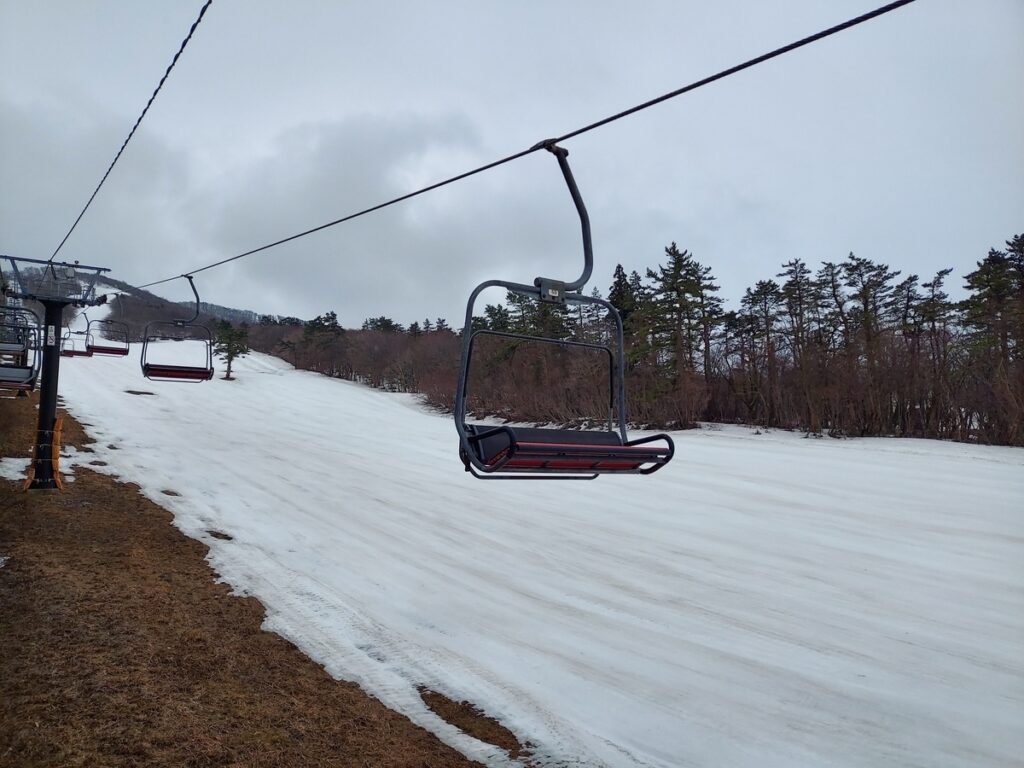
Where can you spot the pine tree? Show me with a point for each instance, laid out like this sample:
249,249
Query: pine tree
872,295
996,370
592,320
498,318
674,287
382,323
231,343
521,312
761,306
528,316
321,343
905,368
640,328
709,312
1015,252
989,309
620,294
803,300
937,316
835,325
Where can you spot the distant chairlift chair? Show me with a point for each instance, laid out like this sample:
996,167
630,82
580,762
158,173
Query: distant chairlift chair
107,337
74,344
178,330
504,452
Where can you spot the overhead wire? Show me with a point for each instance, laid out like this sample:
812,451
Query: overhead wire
131,133
564,137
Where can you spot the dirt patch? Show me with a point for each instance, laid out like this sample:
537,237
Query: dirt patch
71,433
469,719
169,492
220,535
139,392
120,649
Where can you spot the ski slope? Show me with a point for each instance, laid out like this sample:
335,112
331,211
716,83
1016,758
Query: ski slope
765,600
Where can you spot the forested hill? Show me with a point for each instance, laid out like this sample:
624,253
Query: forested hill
851,347
233,316
145,306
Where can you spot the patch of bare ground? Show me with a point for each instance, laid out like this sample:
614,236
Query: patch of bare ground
118,648
468,718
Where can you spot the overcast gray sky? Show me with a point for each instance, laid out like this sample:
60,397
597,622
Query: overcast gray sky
901,140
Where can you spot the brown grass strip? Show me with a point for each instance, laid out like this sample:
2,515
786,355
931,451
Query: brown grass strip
468,718
117,647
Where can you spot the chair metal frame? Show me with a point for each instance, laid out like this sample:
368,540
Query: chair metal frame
67,348
178,373
23,375
92,331
570,460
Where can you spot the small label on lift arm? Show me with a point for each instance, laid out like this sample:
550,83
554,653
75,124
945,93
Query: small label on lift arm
51,335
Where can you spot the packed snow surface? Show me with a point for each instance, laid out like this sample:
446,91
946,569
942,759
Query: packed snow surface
765,600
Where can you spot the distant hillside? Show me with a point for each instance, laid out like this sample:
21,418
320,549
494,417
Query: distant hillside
213,310
234,316
137,308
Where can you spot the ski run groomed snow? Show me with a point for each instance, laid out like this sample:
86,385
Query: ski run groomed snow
765,600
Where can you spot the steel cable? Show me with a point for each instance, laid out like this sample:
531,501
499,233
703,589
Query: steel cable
131,133
564,137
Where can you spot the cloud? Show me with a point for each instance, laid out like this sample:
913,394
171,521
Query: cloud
416,259
162,213
57,157
898,141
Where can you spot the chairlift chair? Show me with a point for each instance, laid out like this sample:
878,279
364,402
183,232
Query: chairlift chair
70,346
20,349
107,337
17,332
178,330
506,452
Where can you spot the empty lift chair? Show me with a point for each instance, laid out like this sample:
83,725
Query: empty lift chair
74,344
178,331
107,337
505,452
19,349
17,326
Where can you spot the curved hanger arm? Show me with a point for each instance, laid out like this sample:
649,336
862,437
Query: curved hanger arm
543,283
195,293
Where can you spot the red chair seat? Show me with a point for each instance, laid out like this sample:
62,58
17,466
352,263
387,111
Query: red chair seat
177,372
527,449
99,349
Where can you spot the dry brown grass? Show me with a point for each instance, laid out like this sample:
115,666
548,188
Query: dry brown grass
117,647
470,719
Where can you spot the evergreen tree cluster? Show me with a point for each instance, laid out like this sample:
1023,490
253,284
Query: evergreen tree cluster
850,348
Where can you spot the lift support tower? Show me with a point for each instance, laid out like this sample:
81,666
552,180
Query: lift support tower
55,285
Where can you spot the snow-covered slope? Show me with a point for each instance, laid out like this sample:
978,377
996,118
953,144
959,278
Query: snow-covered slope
766,600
